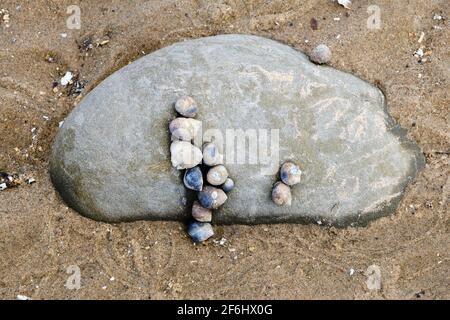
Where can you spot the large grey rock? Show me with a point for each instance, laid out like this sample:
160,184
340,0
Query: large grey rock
111,162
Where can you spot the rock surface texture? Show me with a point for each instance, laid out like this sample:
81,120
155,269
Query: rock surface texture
111,158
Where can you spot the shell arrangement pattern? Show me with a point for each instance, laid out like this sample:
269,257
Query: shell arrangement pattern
206,174
204,169
290,175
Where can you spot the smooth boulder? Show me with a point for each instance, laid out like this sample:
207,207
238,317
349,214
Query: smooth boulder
111,158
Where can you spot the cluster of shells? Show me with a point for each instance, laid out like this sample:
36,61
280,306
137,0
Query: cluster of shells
204,169
290,175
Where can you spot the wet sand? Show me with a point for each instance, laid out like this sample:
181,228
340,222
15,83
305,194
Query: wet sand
40,237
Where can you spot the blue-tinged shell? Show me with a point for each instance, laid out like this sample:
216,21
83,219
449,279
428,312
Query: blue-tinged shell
212,198
193,179
290,173
228,185
200,231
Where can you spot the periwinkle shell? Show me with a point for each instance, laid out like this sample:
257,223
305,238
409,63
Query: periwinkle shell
281,194
211,197
228,185
217,175
186,106
321,54
200,231
290,173
184,155
193,179
201,213
211,155
184,129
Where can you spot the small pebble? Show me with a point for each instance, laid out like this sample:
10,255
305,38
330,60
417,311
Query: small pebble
184,129
193,179
321,54
211,155
211,197
3,186
290,173
184,155
228,185
200,213
187,107
281,194
217,175
200,231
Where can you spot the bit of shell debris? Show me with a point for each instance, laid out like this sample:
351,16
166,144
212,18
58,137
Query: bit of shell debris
50,57
13,180
419,53
22,297
102,43
437,17
220,242
8,181
4,14
77,86
422,36
86,44
67,78
347,4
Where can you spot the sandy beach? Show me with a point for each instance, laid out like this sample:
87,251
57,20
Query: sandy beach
42,240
